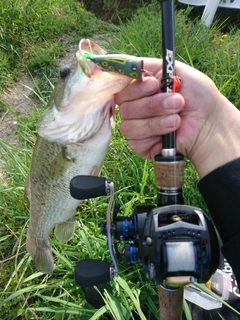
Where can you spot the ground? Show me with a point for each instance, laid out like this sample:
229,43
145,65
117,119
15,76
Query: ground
18,98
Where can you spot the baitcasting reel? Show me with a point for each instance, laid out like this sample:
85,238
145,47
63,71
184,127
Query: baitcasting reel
176,244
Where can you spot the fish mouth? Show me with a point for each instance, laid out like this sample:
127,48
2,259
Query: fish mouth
87,46
82,100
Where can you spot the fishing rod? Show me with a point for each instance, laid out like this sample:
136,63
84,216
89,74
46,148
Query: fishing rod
169,166
175,243
169,175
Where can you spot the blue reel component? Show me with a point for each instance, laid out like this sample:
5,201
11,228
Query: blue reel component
176,244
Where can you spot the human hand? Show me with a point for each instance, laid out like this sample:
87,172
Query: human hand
199,113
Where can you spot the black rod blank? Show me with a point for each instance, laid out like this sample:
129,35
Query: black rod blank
168,55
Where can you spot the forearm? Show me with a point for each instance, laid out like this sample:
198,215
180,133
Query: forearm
220,190
219,142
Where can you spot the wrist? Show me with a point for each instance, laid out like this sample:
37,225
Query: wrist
220,138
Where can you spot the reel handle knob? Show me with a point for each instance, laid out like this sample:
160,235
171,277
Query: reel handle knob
94,296
85,187
89,272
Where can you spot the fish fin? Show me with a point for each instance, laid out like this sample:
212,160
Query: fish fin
64,230
41,253
27,187
61,163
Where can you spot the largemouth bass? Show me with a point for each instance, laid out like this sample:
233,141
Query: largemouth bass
73,137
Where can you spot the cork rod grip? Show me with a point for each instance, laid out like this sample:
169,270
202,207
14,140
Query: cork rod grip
169,174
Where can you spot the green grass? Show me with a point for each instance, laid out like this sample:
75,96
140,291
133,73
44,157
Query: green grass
203,48
28,41
35,33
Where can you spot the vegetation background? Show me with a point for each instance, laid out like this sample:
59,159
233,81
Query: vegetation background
34,36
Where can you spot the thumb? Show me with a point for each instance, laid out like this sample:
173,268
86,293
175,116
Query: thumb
137,90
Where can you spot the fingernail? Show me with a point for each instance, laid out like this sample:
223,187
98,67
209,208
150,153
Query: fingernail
171,102
149,86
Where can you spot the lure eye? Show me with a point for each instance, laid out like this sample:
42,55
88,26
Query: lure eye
134,67
64,72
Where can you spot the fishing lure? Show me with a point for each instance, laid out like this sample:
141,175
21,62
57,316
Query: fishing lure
124,64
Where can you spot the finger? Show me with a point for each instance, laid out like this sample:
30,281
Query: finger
137,89
156,105
150,83
146,148
153,67
145,128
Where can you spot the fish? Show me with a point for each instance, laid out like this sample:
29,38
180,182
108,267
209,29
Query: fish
73,136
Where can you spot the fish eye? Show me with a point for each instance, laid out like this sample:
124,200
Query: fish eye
64,72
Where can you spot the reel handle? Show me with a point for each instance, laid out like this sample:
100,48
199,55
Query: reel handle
85,187
90,272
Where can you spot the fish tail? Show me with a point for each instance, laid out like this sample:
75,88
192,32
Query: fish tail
41,253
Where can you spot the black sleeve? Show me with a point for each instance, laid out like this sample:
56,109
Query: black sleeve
221,192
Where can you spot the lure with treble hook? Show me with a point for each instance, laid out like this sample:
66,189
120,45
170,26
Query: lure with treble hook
124,64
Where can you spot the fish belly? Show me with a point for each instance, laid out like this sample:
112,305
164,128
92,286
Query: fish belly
51,205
